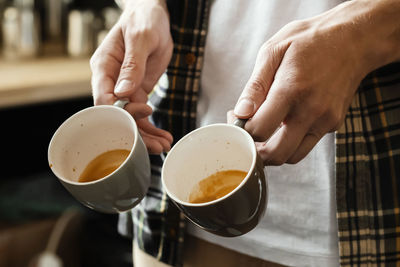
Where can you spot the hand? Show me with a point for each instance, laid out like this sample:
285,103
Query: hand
129,62
306,75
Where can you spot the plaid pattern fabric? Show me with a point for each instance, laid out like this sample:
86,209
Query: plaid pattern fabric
368,173
159,227
367,161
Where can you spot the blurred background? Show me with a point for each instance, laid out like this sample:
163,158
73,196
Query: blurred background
45,46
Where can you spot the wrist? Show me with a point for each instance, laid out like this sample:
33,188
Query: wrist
379,31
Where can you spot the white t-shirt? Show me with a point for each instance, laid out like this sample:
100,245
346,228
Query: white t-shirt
299,227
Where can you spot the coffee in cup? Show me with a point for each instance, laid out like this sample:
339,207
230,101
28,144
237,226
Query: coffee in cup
103,165
216,186
217,150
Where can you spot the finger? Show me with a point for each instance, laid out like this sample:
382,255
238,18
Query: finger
308,143
230,117
149,128
319,128
138,110
133,66
270,114
102,89
268,60
153,147
166,146
157,63
155,139
105,65
282,145
140,96
155,144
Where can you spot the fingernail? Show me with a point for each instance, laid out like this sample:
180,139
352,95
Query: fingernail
123,87
244,108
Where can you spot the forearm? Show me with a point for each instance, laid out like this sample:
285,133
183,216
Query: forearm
368,31
377,26
122,3
383,31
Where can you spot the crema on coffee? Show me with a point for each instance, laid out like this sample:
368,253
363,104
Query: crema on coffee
103,165
216,186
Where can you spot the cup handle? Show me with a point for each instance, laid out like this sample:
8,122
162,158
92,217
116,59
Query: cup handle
121,103
240,122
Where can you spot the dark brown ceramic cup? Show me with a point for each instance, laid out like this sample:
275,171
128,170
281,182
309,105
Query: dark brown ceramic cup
208,150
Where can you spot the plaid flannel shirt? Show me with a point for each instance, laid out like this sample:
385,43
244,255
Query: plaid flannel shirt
367,154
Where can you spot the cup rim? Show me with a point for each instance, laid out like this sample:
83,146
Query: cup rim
68,120
252,167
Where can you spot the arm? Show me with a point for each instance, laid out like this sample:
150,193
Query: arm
129,62
306,75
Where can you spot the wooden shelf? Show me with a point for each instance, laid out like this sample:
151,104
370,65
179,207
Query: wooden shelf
42,80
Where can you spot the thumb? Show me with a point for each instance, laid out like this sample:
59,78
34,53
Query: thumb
254,93
132,70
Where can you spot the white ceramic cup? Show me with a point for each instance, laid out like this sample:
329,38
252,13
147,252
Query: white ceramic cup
204,152
89,133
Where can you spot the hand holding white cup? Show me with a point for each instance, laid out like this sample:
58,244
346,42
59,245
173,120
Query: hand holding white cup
90,133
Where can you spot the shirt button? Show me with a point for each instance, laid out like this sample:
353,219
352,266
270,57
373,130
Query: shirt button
190,58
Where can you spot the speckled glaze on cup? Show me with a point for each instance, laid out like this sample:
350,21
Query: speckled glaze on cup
88,134
203,152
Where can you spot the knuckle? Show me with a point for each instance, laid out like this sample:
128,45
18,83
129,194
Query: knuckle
334,117
277,160
295,25
293,90
98,63
274,159
269,50
257,87
271,157
94,61
317,109
145,34
256,132
129,63
103,99
315,133
300,81
293,160
288,97
266,48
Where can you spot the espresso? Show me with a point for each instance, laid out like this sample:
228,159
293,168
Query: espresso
216,186
103,165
